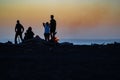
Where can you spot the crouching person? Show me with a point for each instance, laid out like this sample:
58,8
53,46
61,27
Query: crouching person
29,34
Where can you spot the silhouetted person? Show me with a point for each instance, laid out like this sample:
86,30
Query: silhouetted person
52,27
29,34
19,29
46,31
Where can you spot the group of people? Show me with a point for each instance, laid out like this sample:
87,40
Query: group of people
49,31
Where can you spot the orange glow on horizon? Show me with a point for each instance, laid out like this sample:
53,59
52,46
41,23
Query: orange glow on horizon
71,14
68,14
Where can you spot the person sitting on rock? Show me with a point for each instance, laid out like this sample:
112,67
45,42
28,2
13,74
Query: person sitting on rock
29,34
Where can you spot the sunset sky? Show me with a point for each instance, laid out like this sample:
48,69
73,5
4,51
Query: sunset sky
81,19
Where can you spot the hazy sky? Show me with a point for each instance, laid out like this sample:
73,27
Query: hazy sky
84,19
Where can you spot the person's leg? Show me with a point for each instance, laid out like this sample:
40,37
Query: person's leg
21,36
45,36
51,35
54,33
48,36
16,35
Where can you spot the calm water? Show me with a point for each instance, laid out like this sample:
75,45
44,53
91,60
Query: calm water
80,41
89,41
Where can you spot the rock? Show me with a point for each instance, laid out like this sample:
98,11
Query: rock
67,43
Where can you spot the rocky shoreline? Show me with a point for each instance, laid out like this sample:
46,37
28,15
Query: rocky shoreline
40,60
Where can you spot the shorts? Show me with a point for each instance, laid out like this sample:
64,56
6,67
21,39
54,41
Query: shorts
46,34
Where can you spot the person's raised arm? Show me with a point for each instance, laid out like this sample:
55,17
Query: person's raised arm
43,24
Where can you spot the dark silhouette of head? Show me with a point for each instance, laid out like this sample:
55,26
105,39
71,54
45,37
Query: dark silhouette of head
30,28
52,16
47,23
18,21
43,24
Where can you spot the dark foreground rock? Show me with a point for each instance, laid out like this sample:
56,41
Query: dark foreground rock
40,60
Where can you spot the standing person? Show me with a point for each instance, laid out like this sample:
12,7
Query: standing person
52,27
19,29
46,31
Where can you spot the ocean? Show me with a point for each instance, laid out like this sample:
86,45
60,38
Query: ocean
89,41
79,41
